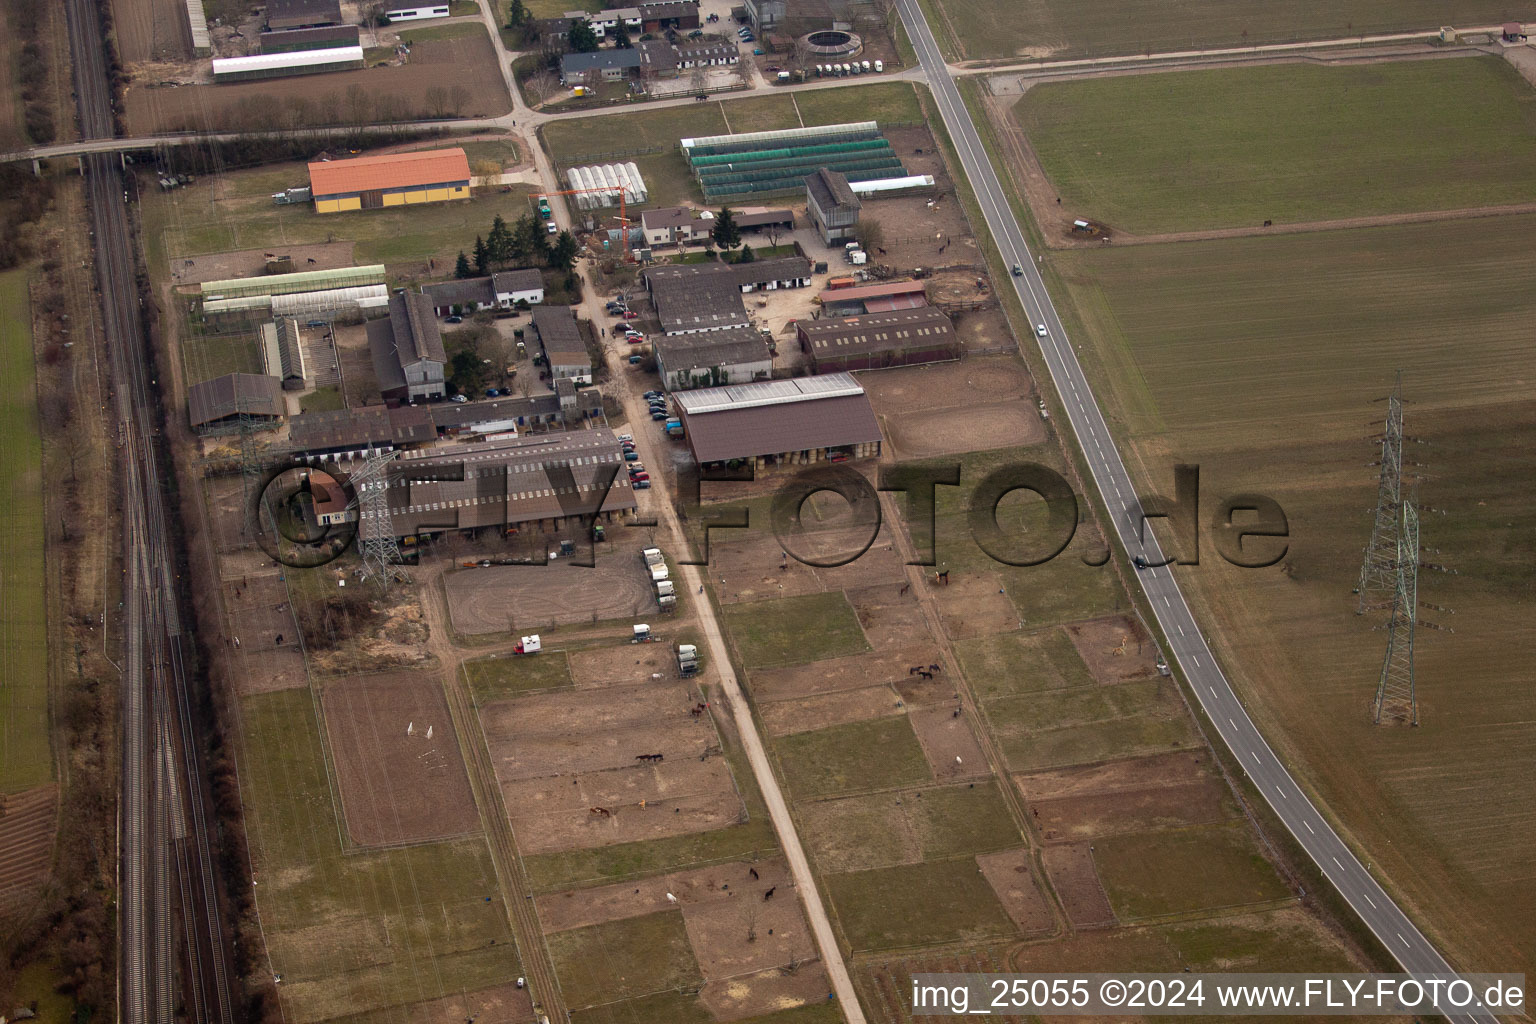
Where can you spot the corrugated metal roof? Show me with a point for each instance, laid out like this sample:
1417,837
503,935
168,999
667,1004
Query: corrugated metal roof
287,59
820,421
773,392
870,291
250,394
306,281
390,171
892,303
902,330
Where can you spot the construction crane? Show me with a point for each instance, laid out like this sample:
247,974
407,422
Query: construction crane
622,190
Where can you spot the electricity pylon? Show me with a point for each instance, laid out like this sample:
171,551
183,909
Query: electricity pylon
1378,569
1395,695
375,529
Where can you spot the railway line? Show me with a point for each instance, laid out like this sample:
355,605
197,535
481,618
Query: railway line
164,836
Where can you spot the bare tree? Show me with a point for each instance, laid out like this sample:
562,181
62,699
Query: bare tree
698,81
541,85
773,232
437,101
870,234
359,105
460,100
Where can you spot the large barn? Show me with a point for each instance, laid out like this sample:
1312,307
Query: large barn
780,423
227,402
904,337
394,179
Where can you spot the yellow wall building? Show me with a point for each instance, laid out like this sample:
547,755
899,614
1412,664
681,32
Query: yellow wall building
396,179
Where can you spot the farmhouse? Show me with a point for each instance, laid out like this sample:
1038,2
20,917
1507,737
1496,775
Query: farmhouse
780,423
712,358
873,298
502,290
395,179
612,65
674,225
225,402
407,350
564,351
514,286
904,337
540,482
283,14
329,500
833,207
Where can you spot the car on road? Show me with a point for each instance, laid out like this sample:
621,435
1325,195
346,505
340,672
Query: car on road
552,228
1040,330
1018,271
458,398
1139,562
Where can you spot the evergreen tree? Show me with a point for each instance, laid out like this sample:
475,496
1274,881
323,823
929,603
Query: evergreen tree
516,14
462,269
498,245
621,38
746,255
562,255
529,240
726,234
482,257
581,37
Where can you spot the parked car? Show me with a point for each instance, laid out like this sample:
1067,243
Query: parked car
697,33
658,416
634,339
454,320
642,485
458,398
552,228
628,315
631,456
627,437
647,396
492,393
640,478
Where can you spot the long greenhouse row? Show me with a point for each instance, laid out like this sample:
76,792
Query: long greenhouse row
763,163
599,185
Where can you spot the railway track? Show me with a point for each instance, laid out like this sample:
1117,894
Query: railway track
164,835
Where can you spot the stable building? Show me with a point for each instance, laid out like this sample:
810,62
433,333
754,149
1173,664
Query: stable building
286,14
282,352
659,16
341,435
407,350
610,65
833,207
565,353
394,179
905,337
885,297
234,400
328,38
780,423
414,12
712,359
542,483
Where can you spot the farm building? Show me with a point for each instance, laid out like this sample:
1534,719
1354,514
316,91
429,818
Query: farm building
660,15
873,298
610,65
311,293
414,12
711,359
286,64
395,179
407,350
780,423
705,54
602,184
543,483
533,413
225,403
282,354
756,218
776,163
833,207
514,286
707,296
330,37
658,58
904,337
330,502
675,225
564,351
796,15
283,14
343,434
502,290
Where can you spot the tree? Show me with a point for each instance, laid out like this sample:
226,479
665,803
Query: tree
698,81
746,255
482,256
529,240
869,234
466,372
725,232
541,85
460,99
581,36
437,101
462,269
621,37
774,233
562,255
517,14
498,245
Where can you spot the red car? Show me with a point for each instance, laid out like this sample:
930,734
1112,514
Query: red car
635,478
634,339
630,314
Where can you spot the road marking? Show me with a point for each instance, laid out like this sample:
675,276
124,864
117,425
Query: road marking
1232,723
1165,602
1309,826
1196,659
1181,628
1401,939
1369,900
1282,793
1213,692
1336,861
1255,757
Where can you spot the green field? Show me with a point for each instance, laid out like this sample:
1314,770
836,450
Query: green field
1064,28
504,676
795,630
1262,360
25,750
622,959
1234,147
917,905
1208,867
879,753
903,827
365,931
1077,726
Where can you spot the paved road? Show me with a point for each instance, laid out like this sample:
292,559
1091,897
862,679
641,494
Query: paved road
1189,650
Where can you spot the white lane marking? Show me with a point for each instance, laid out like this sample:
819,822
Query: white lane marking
1369,900
1309,826
1165,602
1255,757
1336,862
1181,629
1195,659
1282,793
1232,723
1401,939
1213,692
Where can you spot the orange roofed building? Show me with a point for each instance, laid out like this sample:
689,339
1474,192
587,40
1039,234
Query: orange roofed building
395,179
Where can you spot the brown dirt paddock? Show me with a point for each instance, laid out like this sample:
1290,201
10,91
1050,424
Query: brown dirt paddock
253,262
502,1004
151,30
259,613
397,788
922,435
857,671
1070,868
1097,640
779,988
270,104
624,665
577,908
505,598
646,801
26,837
1011,874
888,984
281,668
944,737
1142,793
948,408
974,604
719,932
786,717
751,569
888,616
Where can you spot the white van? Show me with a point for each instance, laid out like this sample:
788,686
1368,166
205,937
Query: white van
879,66
665,588
659,573
652,556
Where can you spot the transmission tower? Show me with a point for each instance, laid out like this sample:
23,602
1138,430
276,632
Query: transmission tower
375,528
1395,695
1378,570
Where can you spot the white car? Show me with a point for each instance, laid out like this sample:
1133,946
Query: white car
1040,330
